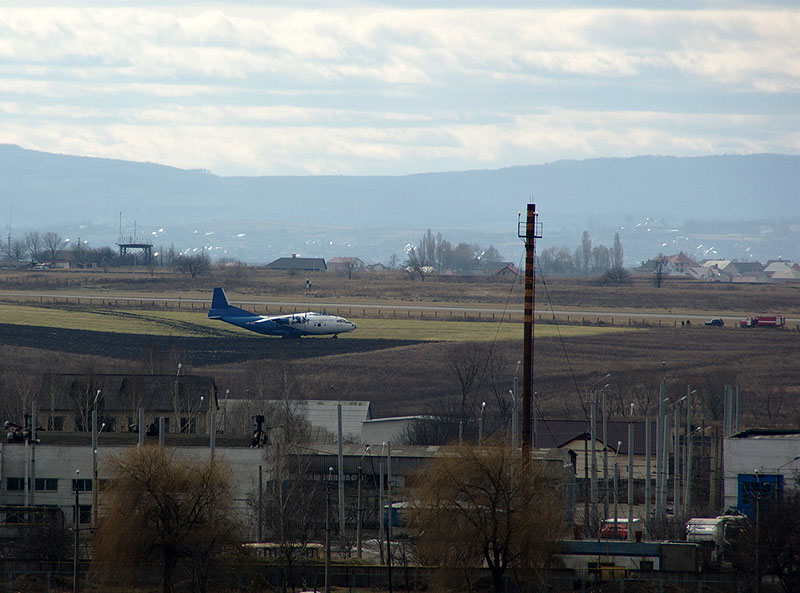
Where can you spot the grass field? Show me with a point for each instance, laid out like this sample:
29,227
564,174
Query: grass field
400,378
178,323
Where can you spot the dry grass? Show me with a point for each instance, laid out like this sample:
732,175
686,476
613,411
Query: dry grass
179,323
422,378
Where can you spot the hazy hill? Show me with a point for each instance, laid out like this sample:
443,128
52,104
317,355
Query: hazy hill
63,193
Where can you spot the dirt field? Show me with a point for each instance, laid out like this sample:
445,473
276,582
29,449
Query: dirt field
408,377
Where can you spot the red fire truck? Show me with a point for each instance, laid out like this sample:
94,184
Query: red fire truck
764,321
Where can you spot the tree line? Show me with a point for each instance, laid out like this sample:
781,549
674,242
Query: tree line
49,247
585,260
435,253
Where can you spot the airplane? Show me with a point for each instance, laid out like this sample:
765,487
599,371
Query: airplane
294,325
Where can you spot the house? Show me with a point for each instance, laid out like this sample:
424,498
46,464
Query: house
66,402
675,265
345,265
744,268
298,264
679,265
782,270
759,460
575,436
507,271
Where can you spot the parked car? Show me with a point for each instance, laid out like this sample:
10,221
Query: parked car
716,322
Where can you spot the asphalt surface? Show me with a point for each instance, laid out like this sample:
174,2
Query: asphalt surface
198,351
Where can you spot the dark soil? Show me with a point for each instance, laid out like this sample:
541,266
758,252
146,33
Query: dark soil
197,351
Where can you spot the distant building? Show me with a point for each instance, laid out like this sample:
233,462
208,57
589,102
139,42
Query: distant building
782,270
762,460
680,265
508,270
345,265
744,268
298,264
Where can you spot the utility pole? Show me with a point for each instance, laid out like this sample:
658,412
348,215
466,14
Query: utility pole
340,474
532,232
630,476
75,554
328,532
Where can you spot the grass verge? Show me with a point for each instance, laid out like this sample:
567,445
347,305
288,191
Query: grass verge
178,323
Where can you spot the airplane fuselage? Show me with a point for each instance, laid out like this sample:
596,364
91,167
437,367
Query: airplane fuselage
291,326
294,325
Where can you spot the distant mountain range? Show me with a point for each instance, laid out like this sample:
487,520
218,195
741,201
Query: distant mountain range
260,218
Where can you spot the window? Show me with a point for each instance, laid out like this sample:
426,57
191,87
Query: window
82,485
15,484
85,513
47,484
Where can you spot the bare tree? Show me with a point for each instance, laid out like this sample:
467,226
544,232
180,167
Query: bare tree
485,506
414,264
52,242
467,361
15,249
80,251
292,511
33,243
194,265
165,510
617,254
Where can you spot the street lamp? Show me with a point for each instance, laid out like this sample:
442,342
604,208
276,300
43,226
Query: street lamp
616,489
76,543
792,460
328,531
359,515
758,530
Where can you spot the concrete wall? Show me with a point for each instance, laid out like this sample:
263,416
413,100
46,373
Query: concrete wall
767,454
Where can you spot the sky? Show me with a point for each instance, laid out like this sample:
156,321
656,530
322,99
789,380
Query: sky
394,88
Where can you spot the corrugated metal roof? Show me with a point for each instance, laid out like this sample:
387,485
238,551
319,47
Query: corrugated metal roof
322,414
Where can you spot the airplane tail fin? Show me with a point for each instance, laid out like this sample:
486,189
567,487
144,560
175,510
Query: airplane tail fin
220,299
221,306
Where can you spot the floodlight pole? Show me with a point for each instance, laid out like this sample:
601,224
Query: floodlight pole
532,232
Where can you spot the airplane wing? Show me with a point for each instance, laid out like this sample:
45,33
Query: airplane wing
285,319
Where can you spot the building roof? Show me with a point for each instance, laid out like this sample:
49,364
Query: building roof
345,261
747,267
323,415
756,433
682,258
305,264
557,433
716,263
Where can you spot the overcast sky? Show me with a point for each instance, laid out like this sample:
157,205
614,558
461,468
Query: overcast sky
274,88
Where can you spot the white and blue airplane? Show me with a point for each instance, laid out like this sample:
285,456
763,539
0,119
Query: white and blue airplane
294,325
